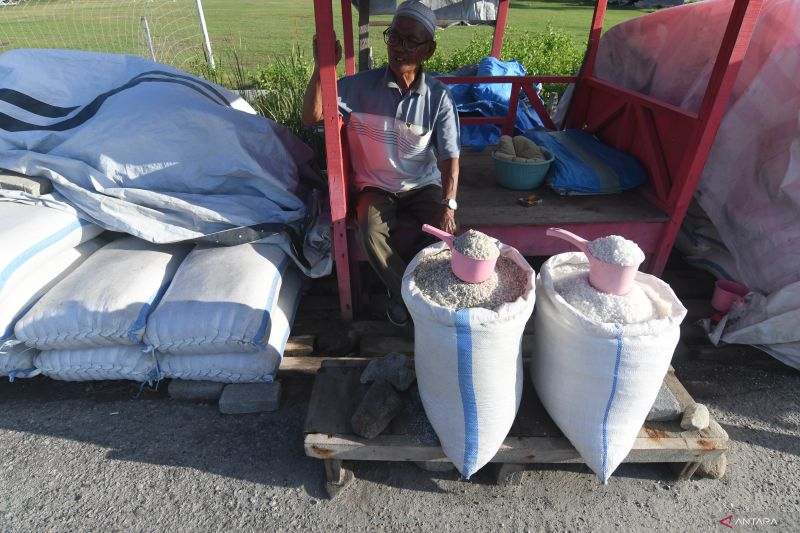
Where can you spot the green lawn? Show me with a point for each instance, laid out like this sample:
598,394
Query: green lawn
255,30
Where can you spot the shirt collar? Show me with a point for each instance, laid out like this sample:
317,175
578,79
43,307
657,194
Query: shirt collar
419,87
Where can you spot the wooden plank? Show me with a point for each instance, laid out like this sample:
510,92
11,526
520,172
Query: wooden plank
482,202
299,345
380,346
513,450
336,394
309,364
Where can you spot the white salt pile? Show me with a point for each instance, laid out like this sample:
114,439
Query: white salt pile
476,245
639,305
435,279
616,250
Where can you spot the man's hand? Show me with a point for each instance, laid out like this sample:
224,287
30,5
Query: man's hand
338,54
446,220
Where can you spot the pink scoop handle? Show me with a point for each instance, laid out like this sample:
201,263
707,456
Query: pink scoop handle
436,232
579,242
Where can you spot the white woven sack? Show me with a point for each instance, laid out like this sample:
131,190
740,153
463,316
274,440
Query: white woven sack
106,300
598,381
16,360
110,362
469,367
253,367
41,275
219,301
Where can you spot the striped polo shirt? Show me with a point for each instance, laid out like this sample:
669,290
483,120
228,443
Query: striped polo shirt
394,139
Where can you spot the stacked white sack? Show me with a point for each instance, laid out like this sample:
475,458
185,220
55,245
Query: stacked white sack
38,247
219,301
469,366
598,380
250,367
16,360
106,300
108,362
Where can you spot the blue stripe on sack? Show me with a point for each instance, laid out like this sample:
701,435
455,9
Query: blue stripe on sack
25,256
468,403
266,319
144,312
611,401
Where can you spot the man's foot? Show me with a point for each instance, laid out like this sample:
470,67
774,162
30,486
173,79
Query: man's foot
396,311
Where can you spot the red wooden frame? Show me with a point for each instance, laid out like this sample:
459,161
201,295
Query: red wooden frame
673,144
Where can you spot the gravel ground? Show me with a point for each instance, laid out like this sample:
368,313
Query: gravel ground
86,457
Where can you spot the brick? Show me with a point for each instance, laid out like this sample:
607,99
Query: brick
184,389
242,398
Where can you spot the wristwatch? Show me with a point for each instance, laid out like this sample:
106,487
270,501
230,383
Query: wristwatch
450,202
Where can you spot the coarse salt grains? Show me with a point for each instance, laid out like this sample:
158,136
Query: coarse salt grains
616,250
476,245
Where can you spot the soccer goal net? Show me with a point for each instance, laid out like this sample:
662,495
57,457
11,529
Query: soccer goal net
168,31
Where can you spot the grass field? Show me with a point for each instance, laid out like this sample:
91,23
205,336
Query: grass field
257,31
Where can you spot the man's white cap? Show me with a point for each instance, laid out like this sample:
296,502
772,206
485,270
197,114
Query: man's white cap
420,12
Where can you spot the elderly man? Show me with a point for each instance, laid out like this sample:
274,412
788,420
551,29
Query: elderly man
402,130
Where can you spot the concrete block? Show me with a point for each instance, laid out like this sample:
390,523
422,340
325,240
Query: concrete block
380,405
394,368
19,182
242,398
666,407
184,389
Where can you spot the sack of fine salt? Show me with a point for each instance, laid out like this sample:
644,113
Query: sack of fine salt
598,379
469,365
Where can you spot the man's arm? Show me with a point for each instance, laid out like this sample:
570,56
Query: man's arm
312,100
449,170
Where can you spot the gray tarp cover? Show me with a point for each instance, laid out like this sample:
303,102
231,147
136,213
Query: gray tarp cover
145,149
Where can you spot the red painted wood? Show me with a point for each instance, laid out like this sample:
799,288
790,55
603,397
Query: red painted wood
323,14
735,41
513,104
499,28
347,38
595,32
533,98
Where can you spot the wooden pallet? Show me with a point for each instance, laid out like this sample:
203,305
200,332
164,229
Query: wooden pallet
534,437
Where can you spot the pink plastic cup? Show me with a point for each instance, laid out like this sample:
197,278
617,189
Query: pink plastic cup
727,294
465,268
605,277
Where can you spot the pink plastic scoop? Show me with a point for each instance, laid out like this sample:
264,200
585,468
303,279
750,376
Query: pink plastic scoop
465,268
605,277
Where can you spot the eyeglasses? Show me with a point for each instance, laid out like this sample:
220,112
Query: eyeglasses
392,39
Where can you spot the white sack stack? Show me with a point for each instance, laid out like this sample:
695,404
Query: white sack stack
219,301
38,247
598,379
249,367
108,362
469,365
106,300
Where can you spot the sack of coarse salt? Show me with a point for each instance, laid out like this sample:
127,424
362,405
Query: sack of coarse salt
468,363
599,360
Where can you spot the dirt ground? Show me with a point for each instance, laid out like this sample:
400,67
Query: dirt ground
89,457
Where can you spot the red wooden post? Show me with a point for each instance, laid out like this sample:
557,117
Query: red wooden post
499,28
323,14
347,38
744,16
594,37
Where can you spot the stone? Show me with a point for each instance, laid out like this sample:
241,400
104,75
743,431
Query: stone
713,468
666,407
379,406
184,389
393,367
243,398
695,417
